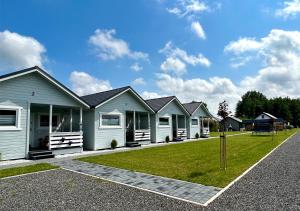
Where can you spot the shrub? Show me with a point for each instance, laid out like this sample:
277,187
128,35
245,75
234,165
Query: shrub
289,127
167,139
113,144
197,135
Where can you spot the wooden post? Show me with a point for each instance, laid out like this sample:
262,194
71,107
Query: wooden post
71,120
50,124
133,126
80,120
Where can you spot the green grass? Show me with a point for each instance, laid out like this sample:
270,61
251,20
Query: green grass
217,134
26,169
196,161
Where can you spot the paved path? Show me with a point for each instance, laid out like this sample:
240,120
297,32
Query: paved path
171,187
274,184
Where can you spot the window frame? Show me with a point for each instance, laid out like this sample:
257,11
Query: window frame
197,125
164,117
46,127
18,118
110,126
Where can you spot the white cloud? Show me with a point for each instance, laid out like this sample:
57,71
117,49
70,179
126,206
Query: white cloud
82,83
177,59
198,30
243,45
139,81
110,48
136,67
150,95
188,8
279,55
289,10
18,51
173,65
211,91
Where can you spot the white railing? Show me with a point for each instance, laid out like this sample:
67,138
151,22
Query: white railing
65,140
181,133
142,135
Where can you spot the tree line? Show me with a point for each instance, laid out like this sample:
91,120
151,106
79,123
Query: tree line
254,103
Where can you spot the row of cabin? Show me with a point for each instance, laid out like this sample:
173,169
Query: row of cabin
39,113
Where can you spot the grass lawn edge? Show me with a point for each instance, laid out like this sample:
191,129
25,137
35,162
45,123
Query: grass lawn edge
26,170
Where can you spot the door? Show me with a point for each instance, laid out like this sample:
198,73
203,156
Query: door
174,126
129,126
31,131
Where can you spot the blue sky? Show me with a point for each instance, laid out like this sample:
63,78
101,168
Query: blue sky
238,46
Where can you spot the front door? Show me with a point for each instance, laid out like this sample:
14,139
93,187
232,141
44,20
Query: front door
31,130
129,126
174,126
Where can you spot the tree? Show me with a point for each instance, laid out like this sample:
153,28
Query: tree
223,112
252,104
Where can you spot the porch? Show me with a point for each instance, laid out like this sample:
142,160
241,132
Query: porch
204,127
179,127
137,128
55,128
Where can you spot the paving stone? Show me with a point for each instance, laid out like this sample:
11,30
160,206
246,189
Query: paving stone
172,187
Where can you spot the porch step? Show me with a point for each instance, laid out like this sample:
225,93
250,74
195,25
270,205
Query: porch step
43,154
133,144
177,139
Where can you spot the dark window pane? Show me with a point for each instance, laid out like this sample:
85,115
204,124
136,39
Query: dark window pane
163,121
110,120
194,121
8,117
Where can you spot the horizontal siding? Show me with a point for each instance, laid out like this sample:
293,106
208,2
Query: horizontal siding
45,92
121,104
13,143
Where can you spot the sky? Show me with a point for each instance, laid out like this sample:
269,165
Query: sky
202,50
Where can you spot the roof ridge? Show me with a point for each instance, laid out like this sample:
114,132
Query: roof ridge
107,91
161,98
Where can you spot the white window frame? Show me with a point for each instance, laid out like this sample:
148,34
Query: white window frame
18,117
46,127
110,126
192,122
165,117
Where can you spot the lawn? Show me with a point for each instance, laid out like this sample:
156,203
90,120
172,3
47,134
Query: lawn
197,161
26,169
217,134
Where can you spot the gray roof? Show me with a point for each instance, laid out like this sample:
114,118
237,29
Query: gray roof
235,118
191,107
95,99
158,103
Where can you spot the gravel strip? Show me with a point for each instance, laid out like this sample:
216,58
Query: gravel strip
274,184
65,190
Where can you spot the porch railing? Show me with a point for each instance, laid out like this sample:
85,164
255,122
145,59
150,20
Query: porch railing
181,133
59,140
142,135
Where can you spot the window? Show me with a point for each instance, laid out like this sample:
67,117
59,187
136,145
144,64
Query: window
9,118
164,121
44,120
195,122
110,120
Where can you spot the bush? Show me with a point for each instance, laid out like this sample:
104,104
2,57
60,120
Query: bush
113,144
289,127
167,139
197,135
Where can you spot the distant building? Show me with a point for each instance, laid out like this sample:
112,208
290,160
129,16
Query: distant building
233,123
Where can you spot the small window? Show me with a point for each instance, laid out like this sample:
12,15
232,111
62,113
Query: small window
195,122
164,121
10,118
44,120
110,120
